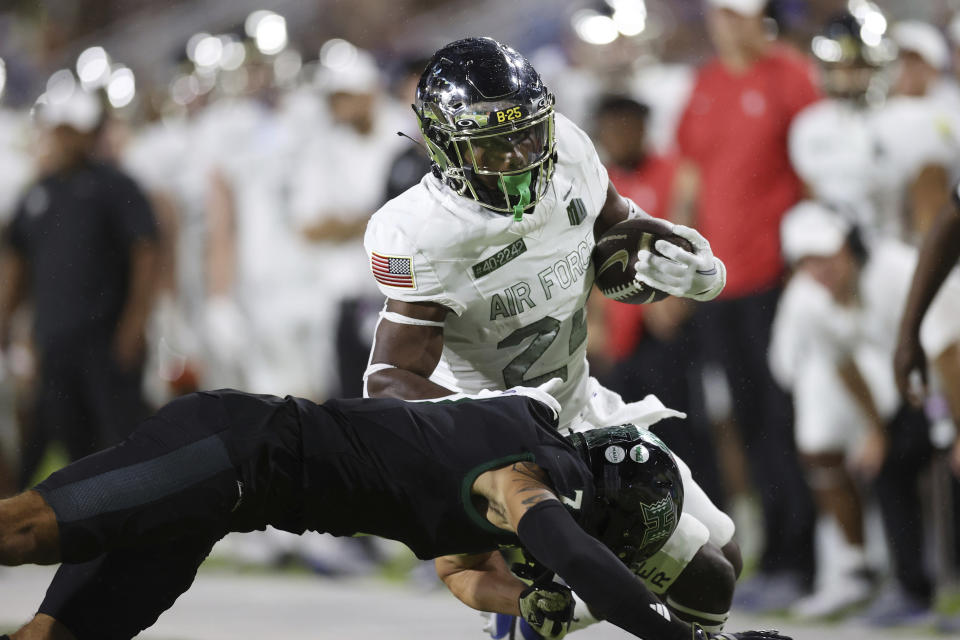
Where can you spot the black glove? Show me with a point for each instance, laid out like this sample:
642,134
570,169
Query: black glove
548,609
772,634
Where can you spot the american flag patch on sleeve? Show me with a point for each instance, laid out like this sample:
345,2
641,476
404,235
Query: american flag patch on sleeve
393,271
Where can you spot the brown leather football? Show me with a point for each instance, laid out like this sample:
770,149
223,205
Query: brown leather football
616,252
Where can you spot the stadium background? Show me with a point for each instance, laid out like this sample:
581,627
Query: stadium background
171,61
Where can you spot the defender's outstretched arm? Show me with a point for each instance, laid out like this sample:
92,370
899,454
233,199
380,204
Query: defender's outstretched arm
28,531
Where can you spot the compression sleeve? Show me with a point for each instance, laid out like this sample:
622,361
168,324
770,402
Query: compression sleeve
588,567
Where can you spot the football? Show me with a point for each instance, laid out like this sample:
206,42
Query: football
616,252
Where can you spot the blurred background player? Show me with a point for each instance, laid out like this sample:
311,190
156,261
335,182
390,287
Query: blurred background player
915,135
735,183
835,351
255,311
339,183
833,148
881,161
81,248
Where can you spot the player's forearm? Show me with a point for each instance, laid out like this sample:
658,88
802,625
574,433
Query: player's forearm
613,593
486,587
403,384
938,255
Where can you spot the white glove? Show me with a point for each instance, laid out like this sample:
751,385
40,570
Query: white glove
543,394
698,275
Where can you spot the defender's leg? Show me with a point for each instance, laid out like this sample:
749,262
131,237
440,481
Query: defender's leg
42,627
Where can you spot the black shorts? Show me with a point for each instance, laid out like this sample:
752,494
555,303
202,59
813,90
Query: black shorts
136,520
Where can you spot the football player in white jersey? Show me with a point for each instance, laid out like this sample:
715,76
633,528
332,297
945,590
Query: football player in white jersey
865,156
884,159
486,267
832,142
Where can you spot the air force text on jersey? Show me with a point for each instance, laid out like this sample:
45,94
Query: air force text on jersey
564,273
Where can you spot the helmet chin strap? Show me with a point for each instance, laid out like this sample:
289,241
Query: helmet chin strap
518,186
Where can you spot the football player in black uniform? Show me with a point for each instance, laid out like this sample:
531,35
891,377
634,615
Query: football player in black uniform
132,523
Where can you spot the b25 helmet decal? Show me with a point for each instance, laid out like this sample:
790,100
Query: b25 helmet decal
852,51
639,492
487,120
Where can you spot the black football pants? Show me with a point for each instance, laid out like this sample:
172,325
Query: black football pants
137,519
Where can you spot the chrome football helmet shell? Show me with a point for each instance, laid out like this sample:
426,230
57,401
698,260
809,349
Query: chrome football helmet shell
488,123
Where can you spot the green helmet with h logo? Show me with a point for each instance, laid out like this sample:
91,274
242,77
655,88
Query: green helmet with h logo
639,492
487,120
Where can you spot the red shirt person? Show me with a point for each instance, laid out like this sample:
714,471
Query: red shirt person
734,130
736,182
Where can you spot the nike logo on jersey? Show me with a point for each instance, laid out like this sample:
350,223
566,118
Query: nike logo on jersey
621,257
576,502
568,191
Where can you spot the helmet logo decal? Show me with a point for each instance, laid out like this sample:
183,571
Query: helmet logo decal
507,115
660,520
639,453
615,454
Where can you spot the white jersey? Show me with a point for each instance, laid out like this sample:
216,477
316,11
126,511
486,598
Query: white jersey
865,159
833,150
911,133
518,290
809,322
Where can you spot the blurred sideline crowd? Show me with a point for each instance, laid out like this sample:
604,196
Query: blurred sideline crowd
215,240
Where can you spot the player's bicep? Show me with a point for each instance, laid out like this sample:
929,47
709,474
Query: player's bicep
522,487
615,209
410,336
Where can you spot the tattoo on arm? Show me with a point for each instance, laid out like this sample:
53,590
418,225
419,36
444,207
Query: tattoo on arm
530,470
532,481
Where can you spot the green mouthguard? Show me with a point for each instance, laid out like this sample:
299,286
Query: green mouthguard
519,186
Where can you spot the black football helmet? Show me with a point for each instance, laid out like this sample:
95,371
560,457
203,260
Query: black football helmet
639,493
853,51
487,120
